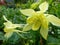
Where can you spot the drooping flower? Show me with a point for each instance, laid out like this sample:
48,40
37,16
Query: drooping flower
10,28
38,19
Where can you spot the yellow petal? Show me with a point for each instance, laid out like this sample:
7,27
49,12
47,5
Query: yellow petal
54,20
8,35
44,6
36,26
7,24
5,18
27,27
10,25
44,33
44,29
18,25
31,19
8,29
27,12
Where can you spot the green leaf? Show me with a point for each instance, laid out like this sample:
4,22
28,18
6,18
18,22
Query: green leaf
53,40
1,36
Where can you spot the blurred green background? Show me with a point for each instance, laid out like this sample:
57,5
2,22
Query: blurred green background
10,8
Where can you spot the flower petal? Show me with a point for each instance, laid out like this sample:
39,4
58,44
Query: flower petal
54,20
44,32
44,6
8,34
27,27
19,25
5,19
36,26
27,12
44,29
30,20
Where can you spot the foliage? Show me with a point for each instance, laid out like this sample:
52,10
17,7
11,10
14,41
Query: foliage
16,17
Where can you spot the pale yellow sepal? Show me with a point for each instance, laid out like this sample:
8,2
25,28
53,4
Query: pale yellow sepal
44,32
27,27
27,12
8,35
54,20
44,29
44,6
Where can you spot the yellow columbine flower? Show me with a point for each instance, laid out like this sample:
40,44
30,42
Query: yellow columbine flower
39,19
10,28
